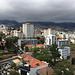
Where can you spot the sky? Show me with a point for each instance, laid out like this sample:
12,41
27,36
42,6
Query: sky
38,10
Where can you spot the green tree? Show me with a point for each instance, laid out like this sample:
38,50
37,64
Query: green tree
2,35
42,40
63,68
54,52
26,49
46,58
14,73
15,39
9,43
23,62
22,45
13,65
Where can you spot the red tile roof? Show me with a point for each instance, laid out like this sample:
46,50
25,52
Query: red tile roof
30,46
46,71
41,45
59,37
28,24
32,61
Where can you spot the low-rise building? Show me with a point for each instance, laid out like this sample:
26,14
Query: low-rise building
35,64
37,34
18,33
27,42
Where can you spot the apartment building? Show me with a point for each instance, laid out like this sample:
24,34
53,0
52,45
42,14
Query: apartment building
18,33
28,30
64,52
48,31
50,39
62,42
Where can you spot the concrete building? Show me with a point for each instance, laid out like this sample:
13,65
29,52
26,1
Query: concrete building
28,30
37,34
64,52
35,64
48,31
62,42
27,41
50,39
18,34
3,27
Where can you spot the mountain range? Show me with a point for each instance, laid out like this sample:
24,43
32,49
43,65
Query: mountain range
41,25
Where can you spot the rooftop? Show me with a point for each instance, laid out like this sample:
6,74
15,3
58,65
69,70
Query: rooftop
28,24
30,46
32,61
59,37
46,71
41,45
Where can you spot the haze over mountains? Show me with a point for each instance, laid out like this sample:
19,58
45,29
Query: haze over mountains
42,25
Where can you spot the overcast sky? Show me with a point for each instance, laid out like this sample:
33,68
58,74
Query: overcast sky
38,10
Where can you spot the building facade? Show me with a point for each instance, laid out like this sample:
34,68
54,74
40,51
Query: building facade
50,39
28,30
27,41
64,52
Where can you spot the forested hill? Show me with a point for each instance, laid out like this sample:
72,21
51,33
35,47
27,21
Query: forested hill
42,25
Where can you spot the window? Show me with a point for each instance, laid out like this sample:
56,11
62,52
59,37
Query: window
37,64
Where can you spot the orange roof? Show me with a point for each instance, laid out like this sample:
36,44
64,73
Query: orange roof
28,24
59,37
46,71
41,45
18,31
29,46
32,61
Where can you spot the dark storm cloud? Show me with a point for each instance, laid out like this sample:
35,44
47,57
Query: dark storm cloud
38,10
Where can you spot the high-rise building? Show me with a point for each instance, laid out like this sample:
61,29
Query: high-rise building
28,30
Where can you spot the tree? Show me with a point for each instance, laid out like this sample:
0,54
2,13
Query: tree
9,43
24,62
2,35
13,65
42,40
63,68
15,39
46,58
23,44
14,73
35,51
26,49
54,52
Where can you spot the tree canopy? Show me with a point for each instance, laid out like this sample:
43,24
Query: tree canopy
63,68
14,73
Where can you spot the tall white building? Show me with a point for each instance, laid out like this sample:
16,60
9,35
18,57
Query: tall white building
28,30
